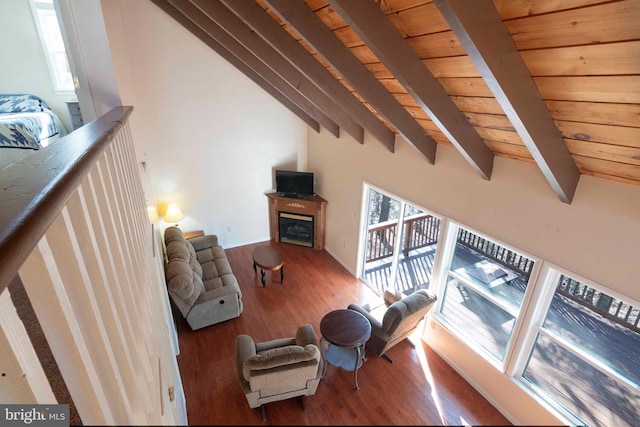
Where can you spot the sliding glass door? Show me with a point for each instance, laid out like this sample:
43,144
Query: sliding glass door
400,242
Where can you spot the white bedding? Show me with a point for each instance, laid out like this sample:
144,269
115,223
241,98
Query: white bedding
27,122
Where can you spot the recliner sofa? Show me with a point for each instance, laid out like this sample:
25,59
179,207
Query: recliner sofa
199,279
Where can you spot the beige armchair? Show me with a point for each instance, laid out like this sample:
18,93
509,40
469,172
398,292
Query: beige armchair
279,369
396,320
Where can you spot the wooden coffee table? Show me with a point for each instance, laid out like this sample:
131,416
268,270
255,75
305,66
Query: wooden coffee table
267,258
346,332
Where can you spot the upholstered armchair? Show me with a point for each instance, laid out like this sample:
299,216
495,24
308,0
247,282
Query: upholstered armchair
396,319
279,369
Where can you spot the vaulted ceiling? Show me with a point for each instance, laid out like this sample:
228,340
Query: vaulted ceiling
555,83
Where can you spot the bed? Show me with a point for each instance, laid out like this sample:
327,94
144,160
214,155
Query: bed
27,123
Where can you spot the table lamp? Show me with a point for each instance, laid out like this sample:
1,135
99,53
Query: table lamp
173,214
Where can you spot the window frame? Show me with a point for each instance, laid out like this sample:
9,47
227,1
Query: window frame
363,228
549,277
534,308
441,274
45,5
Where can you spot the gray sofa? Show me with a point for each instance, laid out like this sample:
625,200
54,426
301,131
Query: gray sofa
199,279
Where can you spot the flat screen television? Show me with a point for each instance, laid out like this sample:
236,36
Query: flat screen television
294,184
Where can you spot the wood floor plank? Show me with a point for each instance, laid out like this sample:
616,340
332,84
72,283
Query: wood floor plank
419,388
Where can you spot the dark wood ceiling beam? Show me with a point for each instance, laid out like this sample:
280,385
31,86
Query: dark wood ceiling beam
316,34
384,40
306,114
264,25
234,26
487,41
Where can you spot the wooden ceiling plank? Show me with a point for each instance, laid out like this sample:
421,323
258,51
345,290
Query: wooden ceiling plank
500,136
396,6
438,45
493,121
305,114
417,21
521,8
511,151
596,112
614,89
601,23
297,55
454,66
316,34
375,29
614,135
590,60
622,172
222,19
614,153
486,39
478,105
468,86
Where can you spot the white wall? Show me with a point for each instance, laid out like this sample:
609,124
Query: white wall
210,137
24,67
596,236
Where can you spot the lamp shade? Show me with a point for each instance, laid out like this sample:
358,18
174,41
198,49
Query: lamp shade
173,214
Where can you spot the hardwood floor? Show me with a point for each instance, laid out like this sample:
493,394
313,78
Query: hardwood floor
419,388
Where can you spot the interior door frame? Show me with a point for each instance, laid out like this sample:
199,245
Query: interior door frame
87,46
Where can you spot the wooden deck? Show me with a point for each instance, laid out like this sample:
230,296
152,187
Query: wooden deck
414,271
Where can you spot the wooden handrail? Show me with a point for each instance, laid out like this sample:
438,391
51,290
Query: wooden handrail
34,189
385,232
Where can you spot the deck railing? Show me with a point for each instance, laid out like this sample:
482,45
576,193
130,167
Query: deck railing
496,252
601,303
423,230
420,231
74,228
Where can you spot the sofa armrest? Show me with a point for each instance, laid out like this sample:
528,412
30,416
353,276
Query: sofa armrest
203,242
245,348
215,294
214,306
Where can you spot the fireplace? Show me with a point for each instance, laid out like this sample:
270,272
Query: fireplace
296,229
308,212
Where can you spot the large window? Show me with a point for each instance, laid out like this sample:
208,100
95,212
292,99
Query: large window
585,355
574,346
50,35
485,285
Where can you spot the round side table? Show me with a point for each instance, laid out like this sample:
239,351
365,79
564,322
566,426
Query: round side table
344,334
